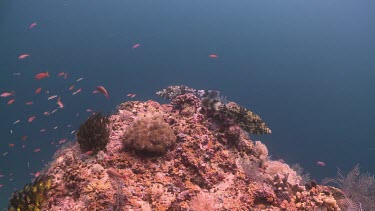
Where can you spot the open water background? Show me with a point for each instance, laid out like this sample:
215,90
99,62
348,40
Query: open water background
306,67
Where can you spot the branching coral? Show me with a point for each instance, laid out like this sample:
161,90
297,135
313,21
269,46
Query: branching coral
94,133
150,135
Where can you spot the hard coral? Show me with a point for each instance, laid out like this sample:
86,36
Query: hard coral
150,135
94,133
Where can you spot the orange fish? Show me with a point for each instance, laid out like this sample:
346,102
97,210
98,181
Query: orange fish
33,25
11,101
29,103
23,56
7,94
61,105
30,119
37,150
213,56
24,138
320,163
136,46
60,74
71,87
38,90
78,91
131,95
88,153
102,90
11,145
113,173
41,75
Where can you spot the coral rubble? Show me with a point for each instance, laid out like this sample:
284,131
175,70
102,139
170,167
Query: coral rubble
206,161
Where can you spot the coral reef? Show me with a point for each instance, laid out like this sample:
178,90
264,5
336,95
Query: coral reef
206,161
93,135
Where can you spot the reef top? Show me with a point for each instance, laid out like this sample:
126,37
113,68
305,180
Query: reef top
193,153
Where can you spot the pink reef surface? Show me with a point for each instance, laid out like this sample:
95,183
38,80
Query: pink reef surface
210,166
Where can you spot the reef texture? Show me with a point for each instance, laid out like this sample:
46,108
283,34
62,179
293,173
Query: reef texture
194,157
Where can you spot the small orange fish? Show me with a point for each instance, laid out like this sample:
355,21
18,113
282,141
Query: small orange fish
11,101
29,103
71,87
33,25
61,105
37,150
136,46
320,163
41,75
213,56
38,90
78,91
11,145
131,95
23,56
89,153
102,90
24,138
60,74
30,119
113,173
7,94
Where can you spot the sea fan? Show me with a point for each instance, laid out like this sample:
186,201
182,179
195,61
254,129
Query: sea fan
358,190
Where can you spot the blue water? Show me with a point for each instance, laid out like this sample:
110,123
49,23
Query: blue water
307,68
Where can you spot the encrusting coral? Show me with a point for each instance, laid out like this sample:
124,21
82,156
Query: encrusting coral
205,160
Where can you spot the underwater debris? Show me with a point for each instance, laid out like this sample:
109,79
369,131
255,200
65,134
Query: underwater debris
32,196
150,135
93,135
